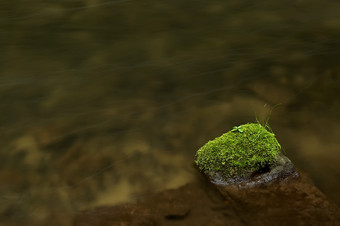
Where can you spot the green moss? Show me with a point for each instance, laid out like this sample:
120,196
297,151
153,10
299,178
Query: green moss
243,150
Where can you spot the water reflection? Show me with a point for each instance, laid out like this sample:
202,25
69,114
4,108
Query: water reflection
105,101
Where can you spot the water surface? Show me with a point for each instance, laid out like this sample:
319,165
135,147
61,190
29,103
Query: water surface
103,102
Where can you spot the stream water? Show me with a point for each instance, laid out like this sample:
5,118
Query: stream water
104,101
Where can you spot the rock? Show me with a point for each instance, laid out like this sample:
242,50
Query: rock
193,204
279,196
282,169
171,206
293,201
127,214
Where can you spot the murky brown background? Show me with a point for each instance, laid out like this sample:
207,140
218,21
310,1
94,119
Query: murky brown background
103,102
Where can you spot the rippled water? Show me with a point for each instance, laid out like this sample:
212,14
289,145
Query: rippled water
103,102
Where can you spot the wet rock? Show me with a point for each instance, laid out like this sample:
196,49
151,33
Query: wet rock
170,206
192,204
293,200
127,214
282,169
279,196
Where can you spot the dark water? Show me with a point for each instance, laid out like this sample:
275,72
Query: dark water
106,101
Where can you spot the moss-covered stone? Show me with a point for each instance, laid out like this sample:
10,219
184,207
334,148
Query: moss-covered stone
243,150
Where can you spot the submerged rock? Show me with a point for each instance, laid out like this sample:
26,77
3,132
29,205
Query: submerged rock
295,201
196,203
266,190
281,195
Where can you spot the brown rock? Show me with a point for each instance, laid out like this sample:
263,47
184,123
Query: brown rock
193,204
294,201
127,214
281,196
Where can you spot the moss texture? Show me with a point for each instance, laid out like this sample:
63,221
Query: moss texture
243,150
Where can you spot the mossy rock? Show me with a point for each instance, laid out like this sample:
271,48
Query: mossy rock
244,150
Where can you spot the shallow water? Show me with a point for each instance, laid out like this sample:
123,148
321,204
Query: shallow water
103,102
